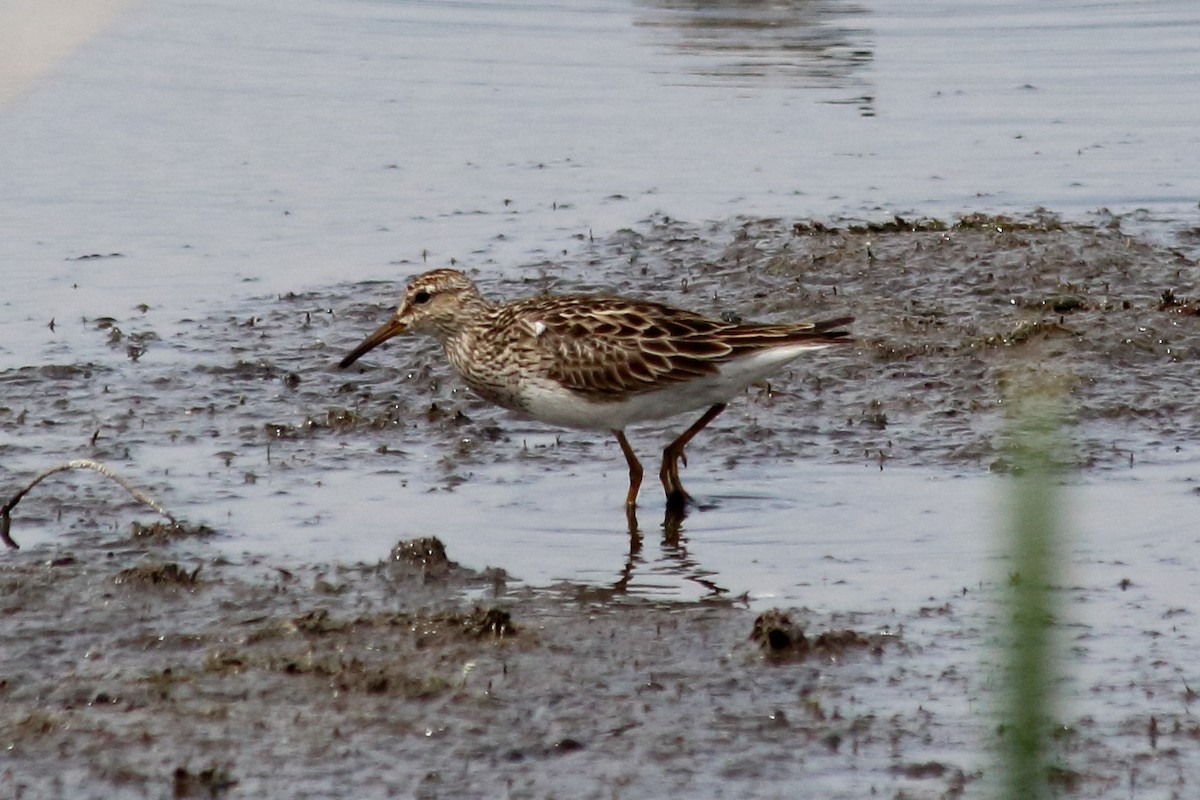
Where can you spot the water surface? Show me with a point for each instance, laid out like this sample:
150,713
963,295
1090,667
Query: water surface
194,162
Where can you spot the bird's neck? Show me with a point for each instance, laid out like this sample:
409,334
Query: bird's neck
459,335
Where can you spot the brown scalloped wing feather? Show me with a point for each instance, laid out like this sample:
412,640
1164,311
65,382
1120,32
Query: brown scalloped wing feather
605,348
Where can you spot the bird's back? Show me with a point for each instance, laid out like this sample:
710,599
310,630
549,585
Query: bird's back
606,348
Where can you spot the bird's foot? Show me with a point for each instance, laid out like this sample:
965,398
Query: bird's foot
678,500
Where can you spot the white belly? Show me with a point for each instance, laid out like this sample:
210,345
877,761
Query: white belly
549,402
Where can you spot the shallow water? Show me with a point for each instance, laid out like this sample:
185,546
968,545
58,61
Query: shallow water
242,421
216,145
229,156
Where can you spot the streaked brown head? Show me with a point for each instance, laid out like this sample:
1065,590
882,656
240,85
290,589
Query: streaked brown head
438,302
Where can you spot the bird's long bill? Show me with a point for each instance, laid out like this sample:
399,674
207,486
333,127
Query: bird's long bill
384,332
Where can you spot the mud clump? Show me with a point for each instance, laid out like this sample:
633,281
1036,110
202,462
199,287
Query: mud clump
210,782
478,623
162,532
1179,305
780,638
484,622
427,553
441,628
775,632
408,661
165,574
425,559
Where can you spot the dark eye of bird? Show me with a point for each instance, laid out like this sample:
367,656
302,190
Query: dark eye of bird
421,297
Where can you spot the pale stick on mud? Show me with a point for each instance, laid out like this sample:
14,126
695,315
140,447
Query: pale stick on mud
80,463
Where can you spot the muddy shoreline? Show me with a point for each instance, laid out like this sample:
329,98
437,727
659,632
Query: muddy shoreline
155,671
166,667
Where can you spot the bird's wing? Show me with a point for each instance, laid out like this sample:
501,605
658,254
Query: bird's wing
605,348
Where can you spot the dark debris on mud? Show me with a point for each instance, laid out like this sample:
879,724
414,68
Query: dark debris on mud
161,531
781,639
159,574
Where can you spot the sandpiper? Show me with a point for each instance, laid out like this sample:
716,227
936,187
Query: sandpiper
603,363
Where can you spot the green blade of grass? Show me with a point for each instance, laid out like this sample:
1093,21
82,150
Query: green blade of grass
1035,547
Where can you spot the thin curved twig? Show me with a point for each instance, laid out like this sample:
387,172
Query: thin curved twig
79,463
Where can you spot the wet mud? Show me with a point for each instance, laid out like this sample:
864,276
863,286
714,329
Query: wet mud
140,671
952,318
159,665
956,317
